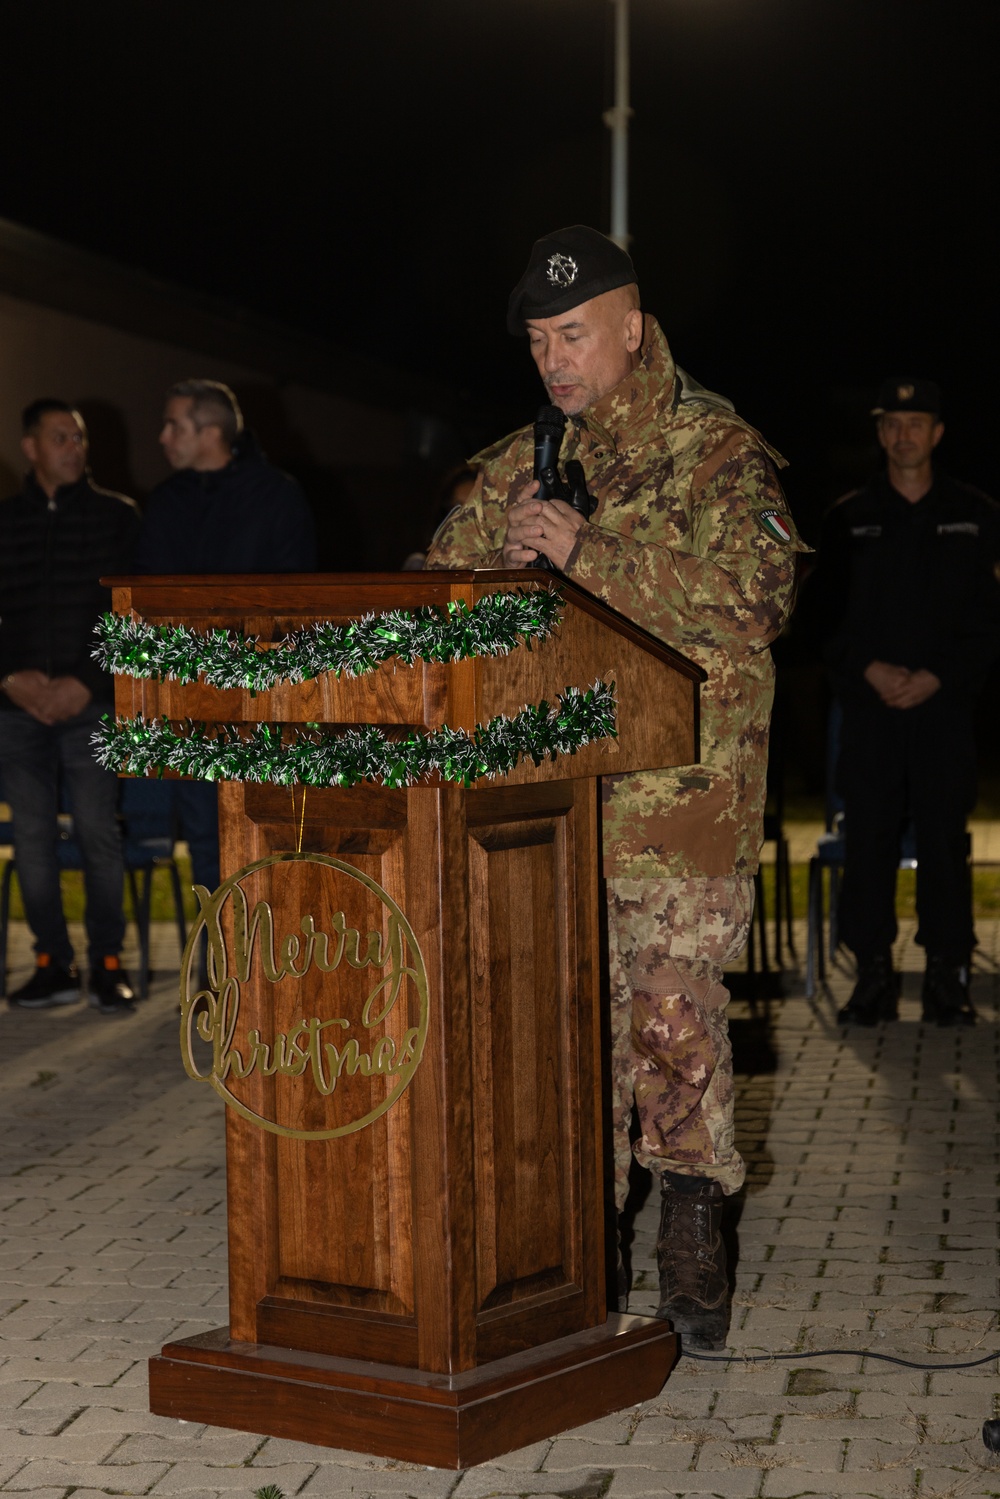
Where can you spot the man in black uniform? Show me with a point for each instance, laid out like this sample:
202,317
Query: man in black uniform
909,581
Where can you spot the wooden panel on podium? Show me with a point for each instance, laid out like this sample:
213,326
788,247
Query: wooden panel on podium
417,1255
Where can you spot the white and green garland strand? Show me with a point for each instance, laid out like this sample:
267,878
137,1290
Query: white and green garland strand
314,756
494,626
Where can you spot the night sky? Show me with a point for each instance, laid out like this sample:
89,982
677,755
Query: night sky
810,183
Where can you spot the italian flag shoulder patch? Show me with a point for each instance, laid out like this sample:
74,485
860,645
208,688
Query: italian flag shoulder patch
774,524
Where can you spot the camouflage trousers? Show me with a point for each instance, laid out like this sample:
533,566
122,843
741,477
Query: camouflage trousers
668,941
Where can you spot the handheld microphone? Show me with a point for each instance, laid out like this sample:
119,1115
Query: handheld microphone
549,425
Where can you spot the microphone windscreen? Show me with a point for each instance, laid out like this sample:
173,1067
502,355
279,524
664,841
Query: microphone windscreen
550,420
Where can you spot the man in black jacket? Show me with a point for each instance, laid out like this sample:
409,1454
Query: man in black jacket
223,510
909,583
58,537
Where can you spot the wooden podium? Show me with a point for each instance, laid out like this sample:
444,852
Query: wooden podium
417,1253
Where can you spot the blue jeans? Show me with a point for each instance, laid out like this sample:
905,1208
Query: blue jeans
34,758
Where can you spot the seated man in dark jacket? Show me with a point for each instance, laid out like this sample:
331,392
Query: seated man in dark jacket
223,510
58,537
908,582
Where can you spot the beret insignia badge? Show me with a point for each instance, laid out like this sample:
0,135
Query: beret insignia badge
904,392
561,270
774,524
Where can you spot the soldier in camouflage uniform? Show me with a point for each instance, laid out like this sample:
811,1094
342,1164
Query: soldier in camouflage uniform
691,539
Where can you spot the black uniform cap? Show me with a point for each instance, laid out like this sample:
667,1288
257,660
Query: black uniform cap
908,395
566,268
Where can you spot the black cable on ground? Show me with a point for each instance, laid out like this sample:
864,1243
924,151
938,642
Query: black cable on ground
807,1353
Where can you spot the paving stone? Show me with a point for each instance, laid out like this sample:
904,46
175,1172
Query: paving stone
44,1493
488,1480
867,1454
81,1371
68,1445
182,1477
820,1455
58,1349
10,1466
570,1454
741,1483
790,1483
122,1423
191,1446
617,1428
404,1480
64,1396
870,1218
965,1481
756,1427
680,1402
130,1478
14,1392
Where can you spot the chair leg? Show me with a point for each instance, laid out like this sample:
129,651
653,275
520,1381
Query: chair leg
834,911
760,916
786,865
8,871
133,890
751,952
813,926
779,891
143,921
175,881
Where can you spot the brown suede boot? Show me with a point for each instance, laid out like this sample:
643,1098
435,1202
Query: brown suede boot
691,1258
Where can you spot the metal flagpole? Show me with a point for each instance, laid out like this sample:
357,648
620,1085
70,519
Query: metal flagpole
617,119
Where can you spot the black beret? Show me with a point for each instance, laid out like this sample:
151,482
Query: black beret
566,268
908,395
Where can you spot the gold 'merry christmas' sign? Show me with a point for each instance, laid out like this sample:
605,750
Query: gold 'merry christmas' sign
371,1022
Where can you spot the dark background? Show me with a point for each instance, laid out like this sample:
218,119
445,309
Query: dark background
811,184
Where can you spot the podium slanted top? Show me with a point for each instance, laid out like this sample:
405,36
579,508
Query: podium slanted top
583,644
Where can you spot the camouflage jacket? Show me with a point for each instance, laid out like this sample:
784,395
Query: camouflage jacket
692,540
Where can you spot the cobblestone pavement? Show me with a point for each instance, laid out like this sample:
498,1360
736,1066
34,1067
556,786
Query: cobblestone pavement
869,1223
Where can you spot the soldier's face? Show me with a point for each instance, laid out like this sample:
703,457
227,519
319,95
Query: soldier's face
583,353
909,437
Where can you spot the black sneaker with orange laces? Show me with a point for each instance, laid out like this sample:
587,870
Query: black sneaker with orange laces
110,990
50,985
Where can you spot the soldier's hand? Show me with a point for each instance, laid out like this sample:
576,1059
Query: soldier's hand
534,526
918,687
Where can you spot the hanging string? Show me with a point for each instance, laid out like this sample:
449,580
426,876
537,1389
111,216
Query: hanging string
302,818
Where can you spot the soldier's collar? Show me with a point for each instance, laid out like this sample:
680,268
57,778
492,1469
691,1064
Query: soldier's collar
614,418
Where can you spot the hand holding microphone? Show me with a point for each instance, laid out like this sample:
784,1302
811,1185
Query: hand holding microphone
542,527
549,425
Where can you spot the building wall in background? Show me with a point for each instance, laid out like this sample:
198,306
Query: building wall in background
119,381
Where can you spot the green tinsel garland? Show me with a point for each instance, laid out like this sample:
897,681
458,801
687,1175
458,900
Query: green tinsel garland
494,626
318,757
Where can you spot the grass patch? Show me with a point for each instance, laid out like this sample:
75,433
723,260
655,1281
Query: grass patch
985,891
162,905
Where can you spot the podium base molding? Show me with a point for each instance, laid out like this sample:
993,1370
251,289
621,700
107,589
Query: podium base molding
443,1420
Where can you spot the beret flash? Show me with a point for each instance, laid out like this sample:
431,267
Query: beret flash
566,268
907,395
